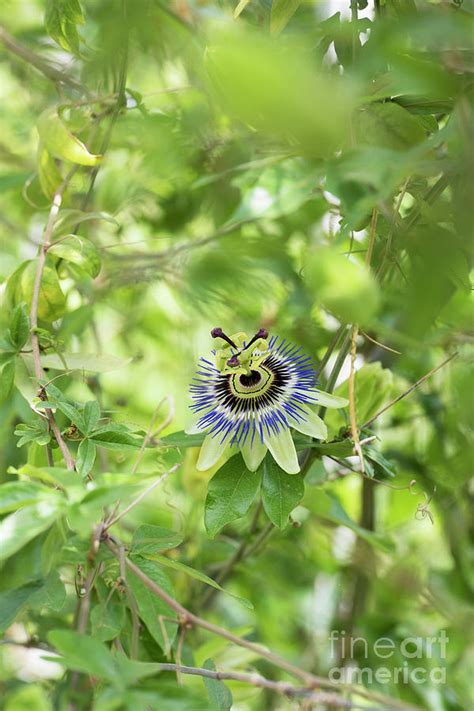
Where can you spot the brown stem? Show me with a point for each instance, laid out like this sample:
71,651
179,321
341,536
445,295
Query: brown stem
281,687
352,404
186,617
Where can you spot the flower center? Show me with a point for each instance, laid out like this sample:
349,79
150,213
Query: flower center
248,380
253,385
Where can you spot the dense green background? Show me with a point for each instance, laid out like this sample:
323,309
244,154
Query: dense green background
306,167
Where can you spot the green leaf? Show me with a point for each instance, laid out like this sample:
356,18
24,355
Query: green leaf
388,125
85,456
89,508
219,695
86,655
7,379
91,415
341,448
280,493
79,251
51,594
51,475
28,698
22,526
112,439
60,142
69,218
107,620
52,302
230,494
52,547
19,326
58,399
132,671
376,463
12,603
151,608
193,573
61,19
15,494
182,440
282,12
149,539
36,431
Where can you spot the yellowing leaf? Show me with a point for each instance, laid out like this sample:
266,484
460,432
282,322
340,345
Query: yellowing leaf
49,175
60,142
52,302
80,251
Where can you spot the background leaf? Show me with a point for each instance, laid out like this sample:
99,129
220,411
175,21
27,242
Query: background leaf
282,12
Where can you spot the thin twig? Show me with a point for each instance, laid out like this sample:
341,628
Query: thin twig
85,601
48,231
407,392
332,347
38,62
281,687
344,464
132,604
377,343
179,652
150,434
139,498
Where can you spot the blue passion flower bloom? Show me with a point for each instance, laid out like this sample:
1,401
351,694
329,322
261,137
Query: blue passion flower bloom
251,395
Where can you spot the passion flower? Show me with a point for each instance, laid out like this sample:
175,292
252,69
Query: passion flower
250,398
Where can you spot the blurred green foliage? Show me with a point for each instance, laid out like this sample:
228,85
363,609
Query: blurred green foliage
304,167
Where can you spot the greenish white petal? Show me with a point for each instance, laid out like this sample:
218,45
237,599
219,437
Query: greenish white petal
282,449
328,400
254,453
210,453
312,424
192,426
